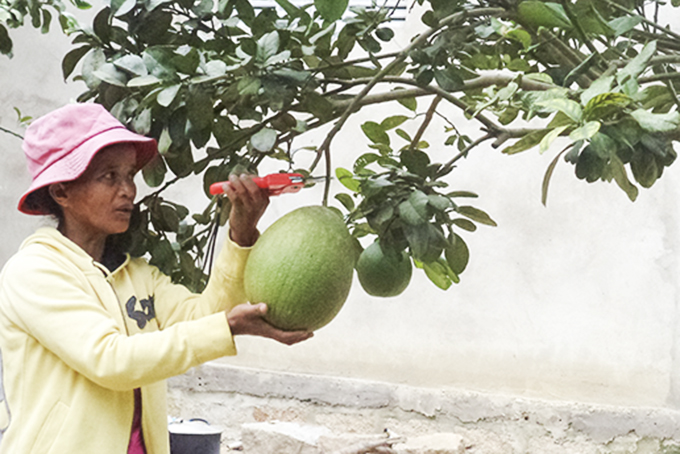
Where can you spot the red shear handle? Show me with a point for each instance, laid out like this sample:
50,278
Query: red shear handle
275,183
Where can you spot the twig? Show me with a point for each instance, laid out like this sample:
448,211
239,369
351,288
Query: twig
446,168
12,133
426,122
666,76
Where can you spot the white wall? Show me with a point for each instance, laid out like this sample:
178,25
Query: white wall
576,301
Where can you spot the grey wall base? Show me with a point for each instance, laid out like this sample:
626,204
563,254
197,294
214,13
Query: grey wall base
249,403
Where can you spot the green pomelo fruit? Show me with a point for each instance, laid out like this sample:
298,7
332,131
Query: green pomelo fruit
302,267
383,273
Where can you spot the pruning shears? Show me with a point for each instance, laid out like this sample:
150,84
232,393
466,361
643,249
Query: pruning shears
275,183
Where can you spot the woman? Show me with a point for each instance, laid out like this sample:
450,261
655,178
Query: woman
87,334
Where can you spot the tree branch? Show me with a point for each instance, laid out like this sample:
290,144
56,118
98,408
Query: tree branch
428,119
446,168
12,133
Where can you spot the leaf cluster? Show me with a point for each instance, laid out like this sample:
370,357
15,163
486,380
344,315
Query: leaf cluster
403,202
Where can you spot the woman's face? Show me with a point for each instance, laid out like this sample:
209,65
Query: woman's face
100,201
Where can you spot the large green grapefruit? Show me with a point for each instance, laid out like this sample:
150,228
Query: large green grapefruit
302,267
383,273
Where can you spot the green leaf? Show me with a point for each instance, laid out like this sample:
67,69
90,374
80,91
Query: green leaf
521,36
543,14
645,169
164,141
449,79
346,178
638,64
143,81
462,194
289,8
186,59
393,121
528,141
167,95
540,77
364,160
267,46
548,176
606,106
413,211
457,254
264,140
180,159
439,202
109,74
5,41
589,166
440,274
585,132
122,7
415,161
141,123
603,145
560,119
550,138
384,34
621,177
70,60
476,215
375,132
426,242
199,108
409,103
331,10
580,69
154,172
656,122
624,24
346,200
570,108
465,224
249,85
598,87
132,64
381,216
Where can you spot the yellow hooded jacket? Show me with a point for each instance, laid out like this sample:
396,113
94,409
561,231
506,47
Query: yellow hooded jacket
76,340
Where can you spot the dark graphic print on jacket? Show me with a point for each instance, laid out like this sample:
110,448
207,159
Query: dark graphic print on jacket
142,311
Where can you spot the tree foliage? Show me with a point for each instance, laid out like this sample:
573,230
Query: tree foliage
224,87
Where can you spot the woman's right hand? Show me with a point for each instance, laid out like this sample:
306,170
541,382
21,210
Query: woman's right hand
248,319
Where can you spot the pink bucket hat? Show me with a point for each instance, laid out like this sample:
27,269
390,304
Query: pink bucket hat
60,145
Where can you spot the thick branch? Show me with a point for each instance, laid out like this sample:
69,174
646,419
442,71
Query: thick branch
499,80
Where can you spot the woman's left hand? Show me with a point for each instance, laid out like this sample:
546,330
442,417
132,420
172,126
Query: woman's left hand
248,204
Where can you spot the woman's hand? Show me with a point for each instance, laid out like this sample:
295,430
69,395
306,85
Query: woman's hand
248,204
249,319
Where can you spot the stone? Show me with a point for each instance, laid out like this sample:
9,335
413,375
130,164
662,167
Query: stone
437,443
281,438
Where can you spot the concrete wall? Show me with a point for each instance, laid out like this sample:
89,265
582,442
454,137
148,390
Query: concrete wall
574,302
